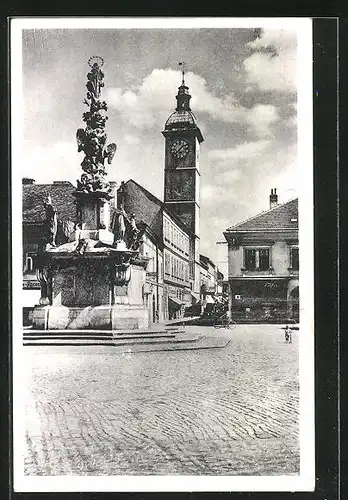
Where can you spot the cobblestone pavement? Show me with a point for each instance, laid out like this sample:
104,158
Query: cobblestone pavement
225,411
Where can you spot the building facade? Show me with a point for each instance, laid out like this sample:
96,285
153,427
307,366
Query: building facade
208,281
33,236
263,264
167,242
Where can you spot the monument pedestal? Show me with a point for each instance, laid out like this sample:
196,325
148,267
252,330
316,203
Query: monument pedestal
117,317
96,290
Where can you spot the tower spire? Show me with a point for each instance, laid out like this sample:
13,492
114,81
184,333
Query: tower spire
183,97
183,71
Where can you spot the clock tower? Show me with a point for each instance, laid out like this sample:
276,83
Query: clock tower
181,173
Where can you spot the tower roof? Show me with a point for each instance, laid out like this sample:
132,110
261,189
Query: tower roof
182,117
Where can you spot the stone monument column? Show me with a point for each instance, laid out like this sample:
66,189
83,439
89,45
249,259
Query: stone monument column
94,281
93,191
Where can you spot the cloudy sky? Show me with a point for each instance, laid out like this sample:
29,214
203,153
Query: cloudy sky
243,87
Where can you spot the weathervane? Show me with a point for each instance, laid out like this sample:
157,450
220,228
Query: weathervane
183,71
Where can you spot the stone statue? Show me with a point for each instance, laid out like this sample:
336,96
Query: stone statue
43,278
132,233
120,195
92,139
81,246
118,225
51,221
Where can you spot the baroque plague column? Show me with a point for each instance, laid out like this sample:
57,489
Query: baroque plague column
96,280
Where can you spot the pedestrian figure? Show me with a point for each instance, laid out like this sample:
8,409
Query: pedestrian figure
287,332
157,316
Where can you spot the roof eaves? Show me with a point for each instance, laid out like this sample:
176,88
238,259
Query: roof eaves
260,229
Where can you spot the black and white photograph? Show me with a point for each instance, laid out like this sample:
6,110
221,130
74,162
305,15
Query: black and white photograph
162,254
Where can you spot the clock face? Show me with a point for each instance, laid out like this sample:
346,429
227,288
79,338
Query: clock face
179,148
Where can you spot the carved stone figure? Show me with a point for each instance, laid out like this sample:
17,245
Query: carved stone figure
81,246
43,278
133,232
51,221
92,139
118,225
121,194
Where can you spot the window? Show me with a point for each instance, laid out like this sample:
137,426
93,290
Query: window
294,259
167,264
256,259
250,259
30,263
264,259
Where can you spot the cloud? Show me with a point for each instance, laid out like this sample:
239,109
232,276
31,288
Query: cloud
272,66
237,182
261,118
62,158
131,140
246,151
149,104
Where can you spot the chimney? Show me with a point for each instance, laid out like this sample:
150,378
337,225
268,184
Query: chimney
113,185
27,180
273,198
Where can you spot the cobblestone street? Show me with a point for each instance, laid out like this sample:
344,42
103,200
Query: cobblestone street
229,411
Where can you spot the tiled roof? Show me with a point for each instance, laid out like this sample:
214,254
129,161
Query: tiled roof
62,200
147,207
284,216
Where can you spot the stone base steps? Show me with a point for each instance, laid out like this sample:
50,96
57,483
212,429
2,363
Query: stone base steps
106,333
109,341
94,336
98,337
125,342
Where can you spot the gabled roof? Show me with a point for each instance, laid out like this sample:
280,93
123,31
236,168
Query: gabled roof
62,200
147,207
284,216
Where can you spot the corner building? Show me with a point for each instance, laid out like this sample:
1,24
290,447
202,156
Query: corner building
182,177
263,264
